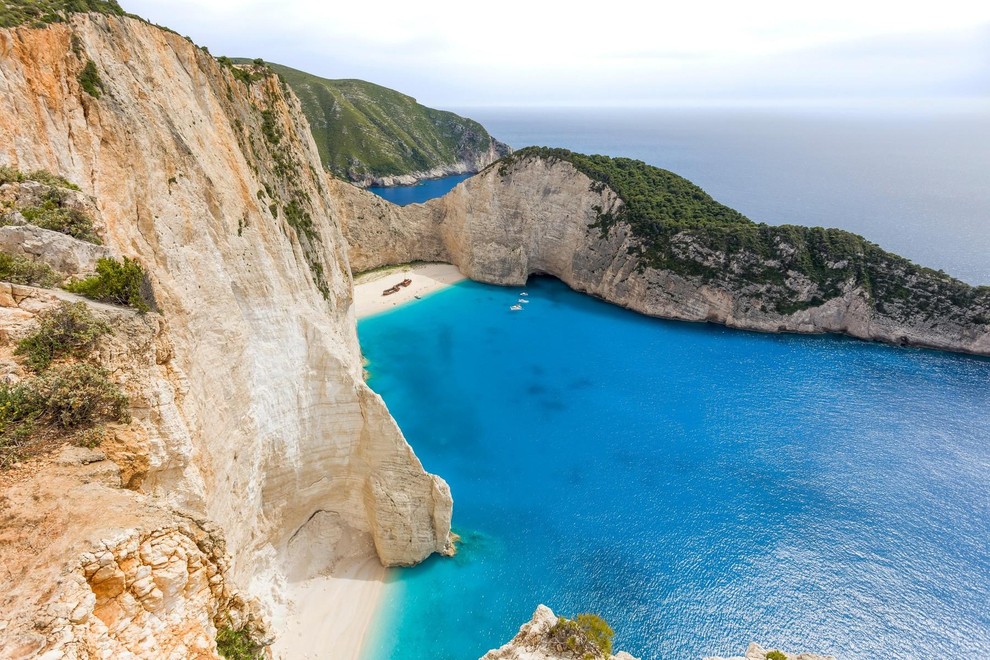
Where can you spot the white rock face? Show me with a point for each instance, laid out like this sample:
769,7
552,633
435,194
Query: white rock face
534,217
534,642
258,418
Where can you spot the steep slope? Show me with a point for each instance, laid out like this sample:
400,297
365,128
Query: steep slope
256,415
648,240
372,135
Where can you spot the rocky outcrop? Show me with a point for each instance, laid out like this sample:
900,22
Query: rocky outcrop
536,641
93,567
64,254
133,579
252,413
757,652
536,216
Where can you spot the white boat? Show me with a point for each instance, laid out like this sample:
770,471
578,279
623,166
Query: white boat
523,300
516,308
523,294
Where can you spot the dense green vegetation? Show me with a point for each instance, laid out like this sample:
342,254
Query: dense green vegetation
586,636
67,330
89,80
38,13
776,655
11,175
66,398
680,228
117,282
363,130
237,645
20,270
52,214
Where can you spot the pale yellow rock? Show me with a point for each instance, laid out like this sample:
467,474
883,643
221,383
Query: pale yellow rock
248,404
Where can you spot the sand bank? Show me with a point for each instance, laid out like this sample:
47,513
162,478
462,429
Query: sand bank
426,278
329,617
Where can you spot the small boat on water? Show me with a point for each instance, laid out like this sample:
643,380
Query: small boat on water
523,300
523,294
516,308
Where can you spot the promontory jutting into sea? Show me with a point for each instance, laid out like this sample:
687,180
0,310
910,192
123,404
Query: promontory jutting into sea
299,367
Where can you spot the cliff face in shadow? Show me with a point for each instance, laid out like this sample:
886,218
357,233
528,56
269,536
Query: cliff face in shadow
534,214
256,417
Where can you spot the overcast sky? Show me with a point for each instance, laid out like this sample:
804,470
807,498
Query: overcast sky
528,52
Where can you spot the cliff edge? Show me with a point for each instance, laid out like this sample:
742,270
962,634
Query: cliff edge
256,418
648,240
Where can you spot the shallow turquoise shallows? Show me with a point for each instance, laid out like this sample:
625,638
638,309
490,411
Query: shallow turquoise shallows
699,487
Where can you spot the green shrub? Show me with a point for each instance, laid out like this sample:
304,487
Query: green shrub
776,655
237,645
67,402
69,329
117,282
586,636
597,630
76,395
11,175
52,215
17,422
89,80
38,13
21,270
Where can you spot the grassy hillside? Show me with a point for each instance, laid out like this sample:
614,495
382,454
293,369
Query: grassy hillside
38,13
364,130
683,229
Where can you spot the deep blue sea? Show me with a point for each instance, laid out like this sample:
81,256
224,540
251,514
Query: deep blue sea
698,486
702,487
422,191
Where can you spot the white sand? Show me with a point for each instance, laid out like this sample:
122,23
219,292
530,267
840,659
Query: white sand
329,617
426,278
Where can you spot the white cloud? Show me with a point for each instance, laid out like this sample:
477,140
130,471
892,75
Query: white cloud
526,51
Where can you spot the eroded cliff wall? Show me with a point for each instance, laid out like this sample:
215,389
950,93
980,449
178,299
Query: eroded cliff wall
535,216
257,417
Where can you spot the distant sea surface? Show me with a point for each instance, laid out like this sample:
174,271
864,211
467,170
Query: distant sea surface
917,184
702,487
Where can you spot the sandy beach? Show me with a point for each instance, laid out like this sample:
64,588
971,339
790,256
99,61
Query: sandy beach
426,278
329,617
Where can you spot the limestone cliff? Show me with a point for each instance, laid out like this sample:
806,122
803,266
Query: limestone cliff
256,417
531,215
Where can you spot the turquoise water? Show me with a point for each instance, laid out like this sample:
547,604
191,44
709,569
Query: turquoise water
700,487
419,193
